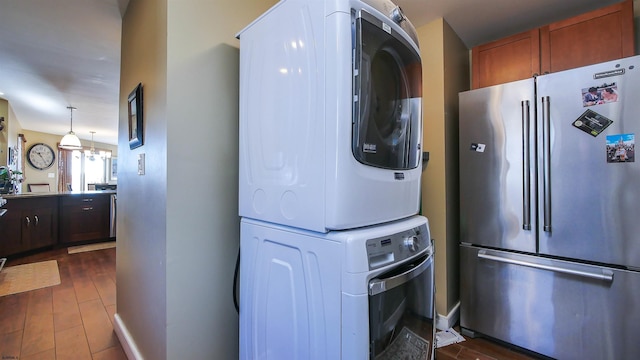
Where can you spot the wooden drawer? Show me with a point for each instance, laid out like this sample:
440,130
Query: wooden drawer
88,199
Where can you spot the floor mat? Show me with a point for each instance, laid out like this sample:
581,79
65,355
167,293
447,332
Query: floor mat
21,278
92,247
406,346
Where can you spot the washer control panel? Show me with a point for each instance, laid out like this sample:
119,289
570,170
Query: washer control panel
394,248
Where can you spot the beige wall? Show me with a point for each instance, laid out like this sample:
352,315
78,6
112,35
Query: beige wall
456,62
32,175
9,138
444,56
141,217
50,175
178,225
12,135
4,134
14,128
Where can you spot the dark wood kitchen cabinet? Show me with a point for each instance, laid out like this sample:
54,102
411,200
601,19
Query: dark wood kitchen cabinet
29,224
84,217
597,36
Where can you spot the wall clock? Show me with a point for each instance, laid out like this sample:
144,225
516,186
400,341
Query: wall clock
41,156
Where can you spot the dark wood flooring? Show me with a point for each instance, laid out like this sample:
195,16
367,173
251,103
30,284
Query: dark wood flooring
73,320
481,349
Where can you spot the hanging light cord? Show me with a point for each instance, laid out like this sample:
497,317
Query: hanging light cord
71,108
93,148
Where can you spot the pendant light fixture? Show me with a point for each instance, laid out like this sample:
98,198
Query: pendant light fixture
91,154
71,141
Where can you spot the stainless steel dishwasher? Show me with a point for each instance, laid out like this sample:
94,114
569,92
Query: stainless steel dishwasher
2,211
112,216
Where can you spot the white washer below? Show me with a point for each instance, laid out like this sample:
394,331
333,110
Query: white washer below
353,294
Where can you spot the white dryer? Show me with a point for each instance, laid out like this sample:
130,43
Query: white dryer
358,294
330,115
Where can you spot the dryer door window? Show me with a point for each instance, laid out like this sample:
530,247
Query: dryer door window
387,110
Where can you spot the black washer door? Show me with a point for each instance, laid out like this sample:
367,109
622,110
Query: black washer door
387,97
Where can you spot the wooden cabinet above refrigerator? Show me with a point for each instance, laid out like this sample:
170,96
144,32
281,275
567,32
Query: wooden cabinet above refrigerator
597,36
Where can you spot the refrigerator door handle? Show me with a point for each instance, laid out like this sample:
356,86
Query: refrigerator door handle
546,158
526,168
605,275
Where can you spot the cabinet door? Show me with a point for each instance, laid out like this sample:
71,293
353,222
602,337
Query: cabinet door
39,222
598,36
43,230
513,58
11,229
84,218
29,224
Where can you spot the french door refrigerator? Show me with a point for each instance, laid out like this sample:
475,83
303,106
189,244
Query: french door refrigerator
550,212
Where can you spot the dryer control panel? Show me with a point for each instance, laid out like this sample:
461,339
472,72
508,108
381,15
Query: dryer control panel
397,247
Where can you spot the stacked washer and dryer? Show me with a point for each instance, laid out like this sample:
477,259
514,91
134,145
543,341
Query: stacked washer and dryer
335,262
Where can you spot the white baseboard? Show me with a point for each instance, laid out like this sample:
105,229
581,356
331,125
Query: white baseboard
128,345
444,322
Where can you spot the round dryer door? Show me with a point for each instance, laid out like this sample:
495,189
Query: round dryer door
388,98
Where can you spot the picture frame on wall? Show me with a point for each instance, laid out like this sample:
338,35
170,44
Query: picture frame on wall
135,117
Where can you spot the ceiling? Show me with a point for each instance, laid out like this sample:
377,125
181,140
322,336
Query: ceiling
55,54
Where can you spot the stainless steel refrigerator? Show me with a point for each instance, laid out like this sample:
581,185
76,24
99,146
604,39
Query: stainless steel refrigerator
550,212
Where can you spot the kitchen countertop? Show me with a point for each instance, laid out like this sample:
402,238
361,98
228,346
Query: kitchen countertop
49,194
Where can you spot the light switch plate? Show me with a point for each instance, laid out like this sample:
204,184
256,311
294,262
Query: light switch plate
141,164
